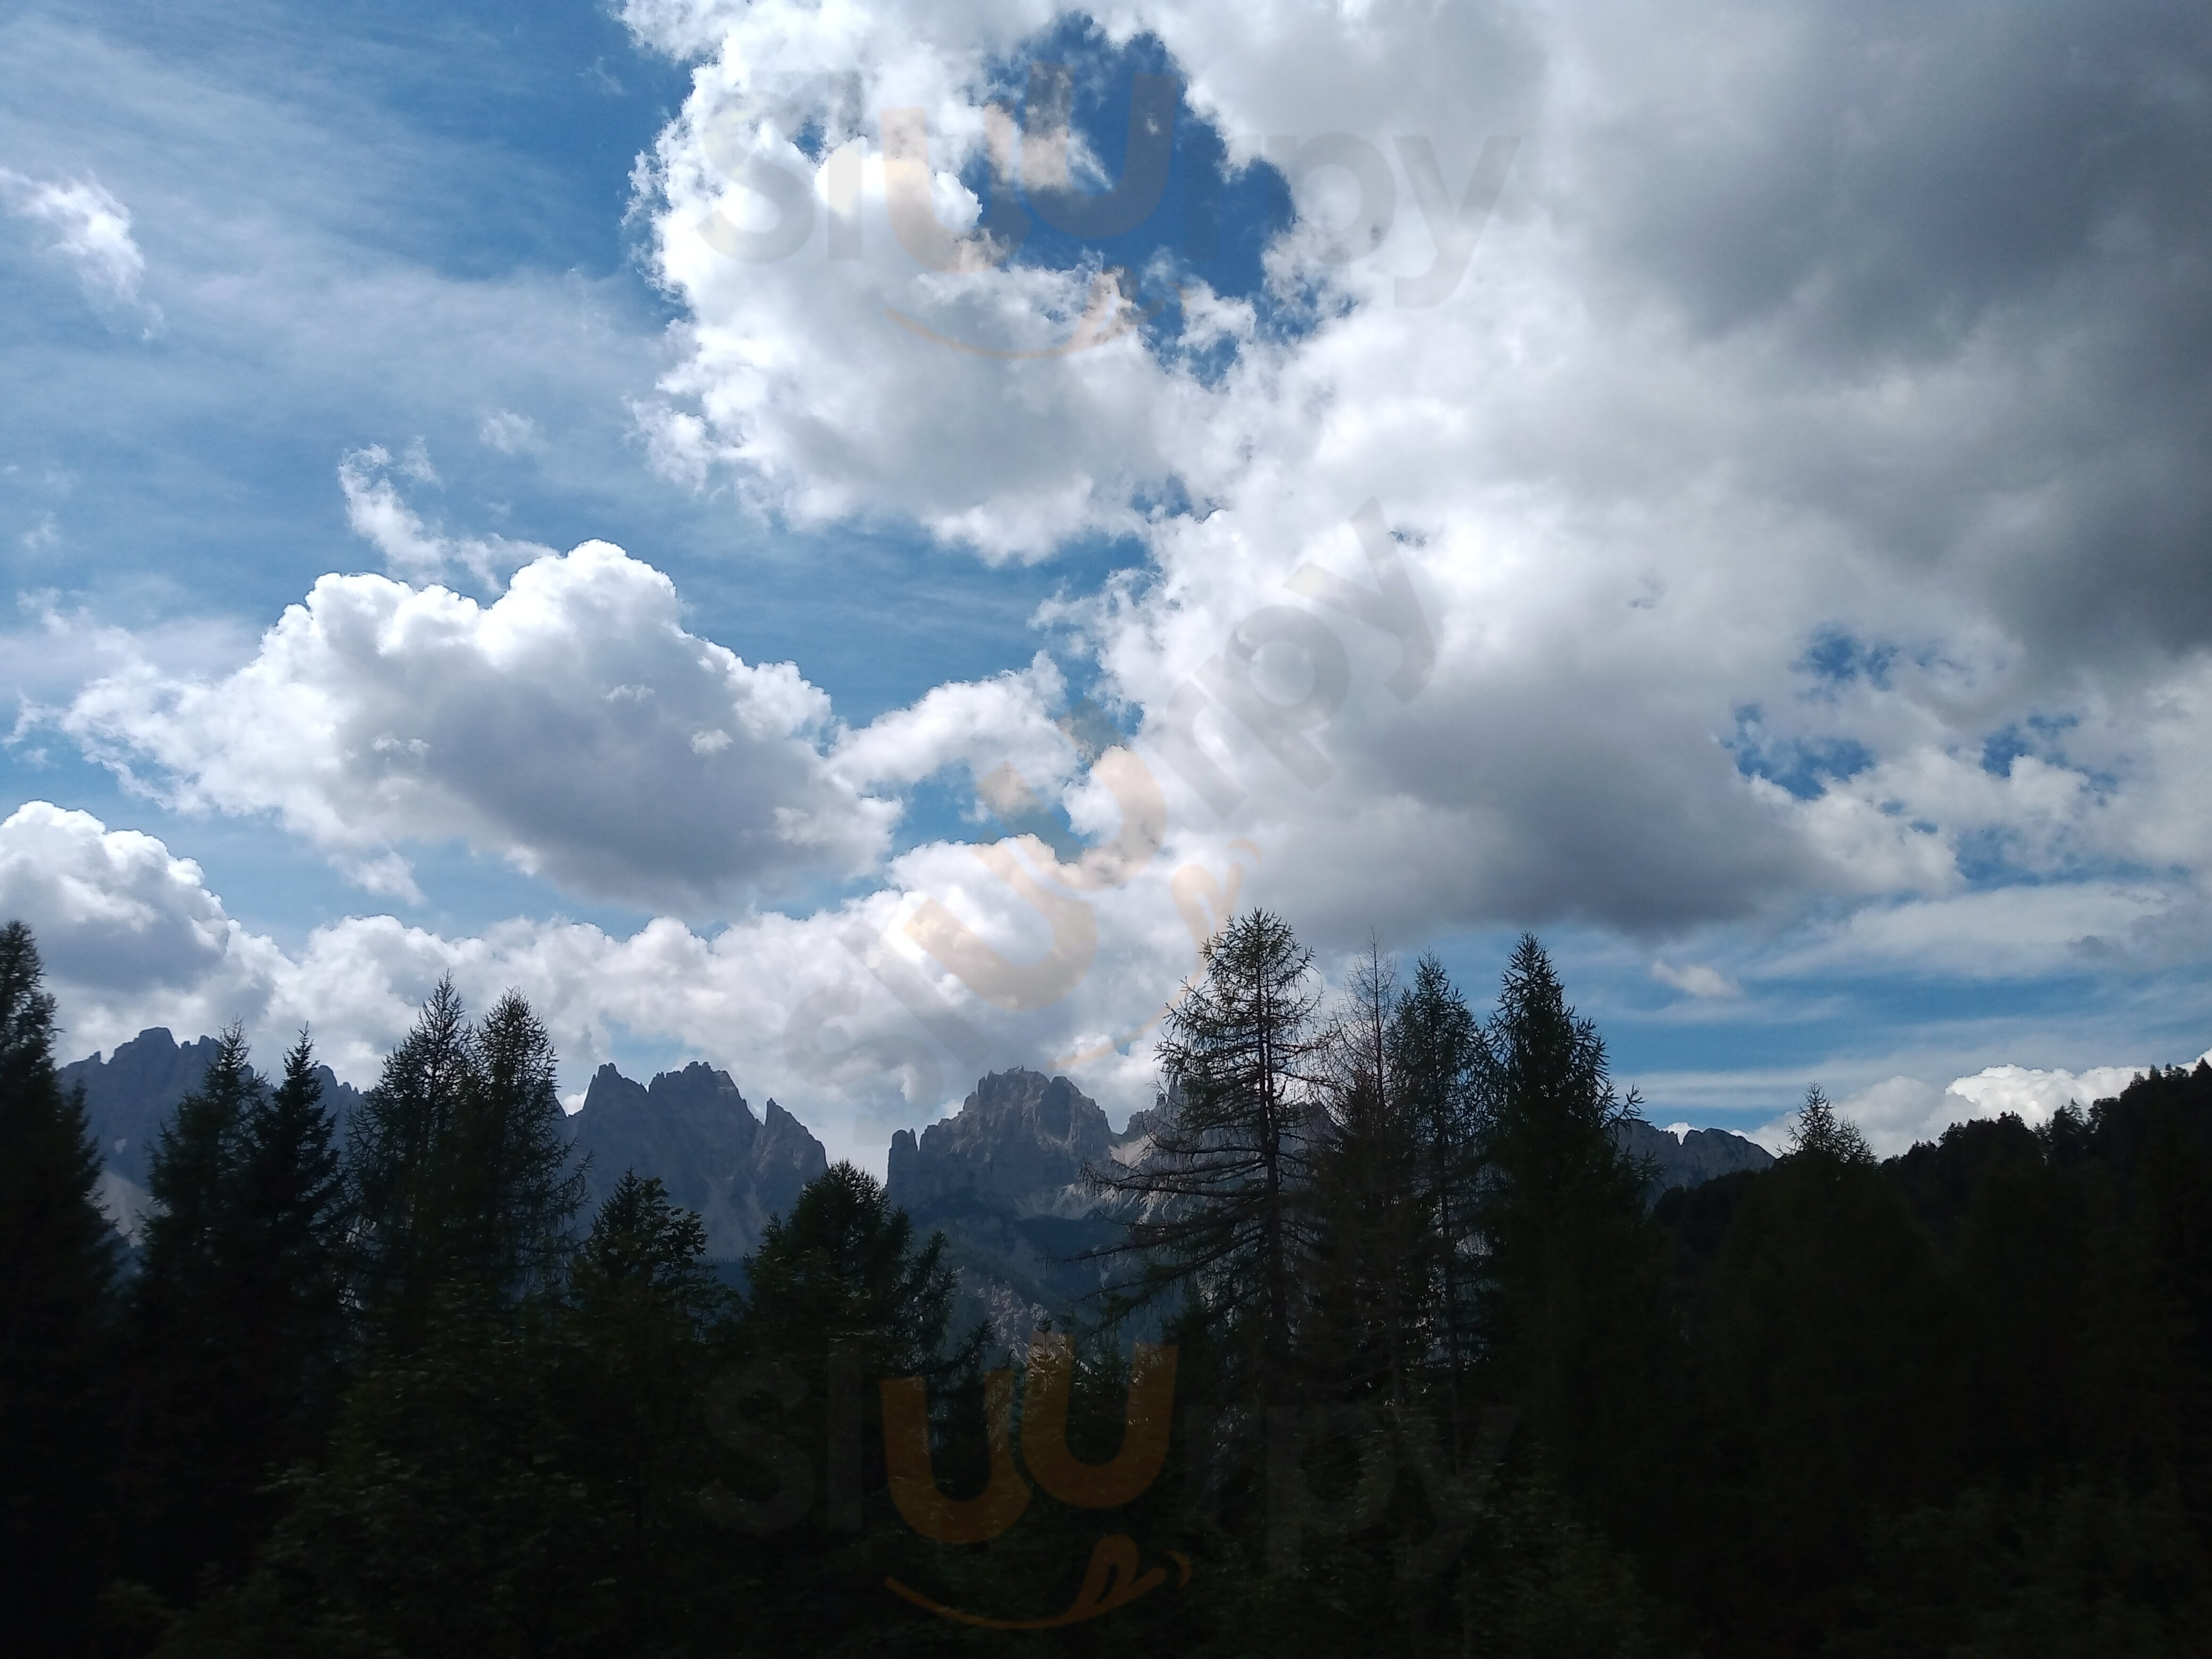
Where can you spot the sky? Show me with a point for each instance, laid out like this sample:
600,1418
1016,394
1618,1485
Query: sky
840,540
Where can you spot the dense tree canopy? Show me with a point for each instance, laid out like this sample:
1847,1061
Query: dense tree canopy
1449,1378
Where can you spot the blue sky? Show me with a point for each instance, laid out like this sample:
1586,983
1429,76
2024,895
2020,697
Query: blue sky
1802,486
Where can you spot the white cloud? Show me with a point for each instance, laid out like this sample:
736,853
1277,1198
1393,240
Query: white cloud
568,728
1696,979
1657,446
819,1011
91,230
412,550
2035,1097
128,924
1898,1112
509,433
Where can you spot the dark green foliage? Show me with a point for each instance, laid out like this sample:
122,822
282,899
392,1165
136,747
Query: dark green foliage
1569,1288
1444,1386
238,1337
397,1155
1436,1055
57,1265
458,1167
2089,1571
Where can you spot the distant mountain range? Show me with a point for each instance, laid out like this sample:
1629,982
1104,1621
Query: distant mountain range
1002,1178
692,1129
129,1095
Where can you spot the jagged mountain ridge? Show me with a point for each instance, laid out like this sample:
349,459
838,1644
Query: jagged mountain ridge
1002,1178
130,1092
1695,1157
693,1130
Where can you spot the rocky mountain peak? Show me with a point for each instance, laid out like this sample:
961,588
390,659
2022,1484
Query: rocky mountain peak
1019,1145
694,1129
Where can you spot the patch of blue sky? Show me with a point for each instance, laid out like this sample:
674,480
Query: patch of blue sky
362,225
2040,735
468,173
1211,224
508,135
1837,657
1806,767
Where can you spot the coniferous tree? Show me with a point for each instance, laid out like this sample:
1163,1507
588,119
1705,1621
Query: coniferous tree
458,1168
57,1267
1829,1348
395,1169
1436,1054
1572,1273
190,1444
643,1328
238,1323
1225,1214
292,1216
512,1193
1373,1249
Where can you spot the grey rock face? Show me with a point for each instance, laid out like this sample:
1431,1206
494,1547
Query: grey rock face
1002,1179
693,1130
1699,1156
1017,1147
130,1093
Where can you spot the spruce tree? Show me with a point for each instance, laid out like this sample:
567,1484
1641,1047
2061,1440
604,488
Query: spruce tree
513,1194
395,1169
458,1168
191,1441
1373,1248
1436,1054
1572,1274
57,1258
292,1215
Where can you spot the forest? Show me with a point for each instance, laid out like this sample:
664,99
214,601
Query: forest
1395,1351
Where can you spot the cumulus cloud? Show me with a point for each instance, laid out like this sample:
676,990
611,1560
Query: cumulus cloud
1898,1112
1755,496
131,928
572,726
856,1020
91,231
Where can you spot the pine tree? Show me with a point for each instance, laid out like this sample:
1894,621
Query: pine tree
1225,1214
191,1439
193,1183
458,1170
844,1268
642,1326
1373,1248
57,1268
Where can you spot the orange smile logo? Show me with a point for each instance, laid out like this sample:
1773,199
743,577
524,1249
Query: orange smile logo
1112,1579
